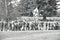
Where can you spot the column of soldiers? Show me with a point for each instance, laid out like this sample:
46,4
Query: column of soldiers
23,25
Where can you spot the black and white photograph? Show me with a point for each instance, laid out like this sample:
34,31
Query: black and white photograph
29,19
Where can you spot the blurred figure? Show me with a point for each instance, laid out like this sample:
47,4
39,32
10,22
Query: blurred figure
56,27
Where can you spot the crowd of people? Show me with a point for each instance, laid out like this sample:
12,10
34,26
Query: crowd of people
22,25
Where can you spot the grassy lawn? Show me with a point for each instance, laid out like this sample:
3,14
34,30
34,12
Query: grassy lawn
30,35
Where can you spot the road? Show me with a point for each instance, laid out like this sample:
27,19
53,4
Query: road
30,35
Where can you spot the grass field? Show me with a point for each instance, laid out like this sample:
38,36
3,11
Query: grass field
30,35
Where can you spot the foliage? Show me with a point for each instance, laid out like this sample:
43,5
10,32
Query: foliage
25,7
46,8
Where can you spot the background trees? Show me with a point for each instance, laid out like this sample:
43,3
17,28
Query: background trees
17,8
47,8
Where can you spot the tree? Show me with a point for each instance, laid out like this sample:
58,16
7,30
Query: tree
46,8
4,7
8,5
26,7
